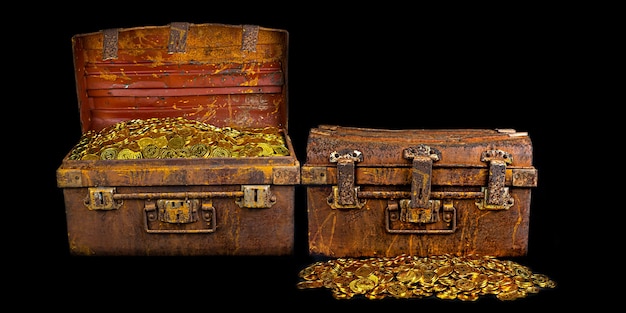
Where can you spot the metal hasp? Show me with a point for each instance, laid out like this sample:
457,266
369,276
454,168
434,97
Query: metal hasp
256,197
102,198
497,196
345,194
423,157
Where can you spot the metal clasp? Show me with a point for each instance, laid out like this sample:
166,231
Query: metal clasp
102,198
497,196
438,218
178,211
423,157
256,197
345,194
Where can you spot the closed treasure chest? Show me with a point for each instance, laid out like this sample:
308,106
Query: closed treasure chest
184,147
384,192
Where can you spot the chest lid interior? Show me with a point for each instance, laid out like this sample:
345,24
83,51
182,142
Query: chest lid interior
223,75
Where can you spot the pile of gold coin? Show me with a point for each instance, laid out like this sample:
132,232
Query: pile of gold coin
165,138
465,278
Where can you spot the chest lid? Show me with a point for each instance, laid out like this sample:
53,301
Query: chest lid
389,147
485,163
224,75
453,157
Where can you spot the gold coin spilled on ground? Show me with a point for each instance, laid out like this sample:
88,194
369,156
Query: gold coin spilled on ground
465,278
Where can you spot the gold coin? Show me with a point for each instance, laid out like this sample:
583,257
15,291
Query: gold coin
176,142
108,154
168,154
161,141
143,142
465,284
280,150
362,285
90,156
463,269
199,150
219,152
408,276
444,270
509,295
364,271
307,284
428,277
398,290
127,154
467,296
182,153
151,151
267,149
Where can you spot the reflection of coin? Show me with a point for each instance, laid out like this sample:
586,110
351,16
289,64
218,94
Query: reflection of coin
108,153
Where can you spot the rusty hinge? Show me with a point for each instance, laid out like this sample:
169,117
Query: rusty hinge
497,196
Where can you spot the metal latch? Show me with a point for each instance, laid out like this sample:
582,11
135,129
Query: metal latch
179,216
438,218
256,196
497,196
101,198
423,157
345,194
178,211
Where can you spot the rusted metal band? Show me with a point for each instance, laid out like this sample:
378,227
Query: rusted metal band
178,37
109,43
249,38
179,195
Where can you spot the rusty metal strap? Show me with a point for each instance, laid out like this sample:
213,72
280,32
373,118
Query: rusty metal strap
109,44
433,194
178,37
249,38
178,195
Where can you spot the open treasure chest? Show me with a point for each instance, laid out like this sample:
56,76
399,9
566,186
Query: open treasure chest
185,147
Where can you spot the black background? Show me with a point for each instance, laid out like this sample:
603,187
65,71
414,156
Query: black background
388,67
